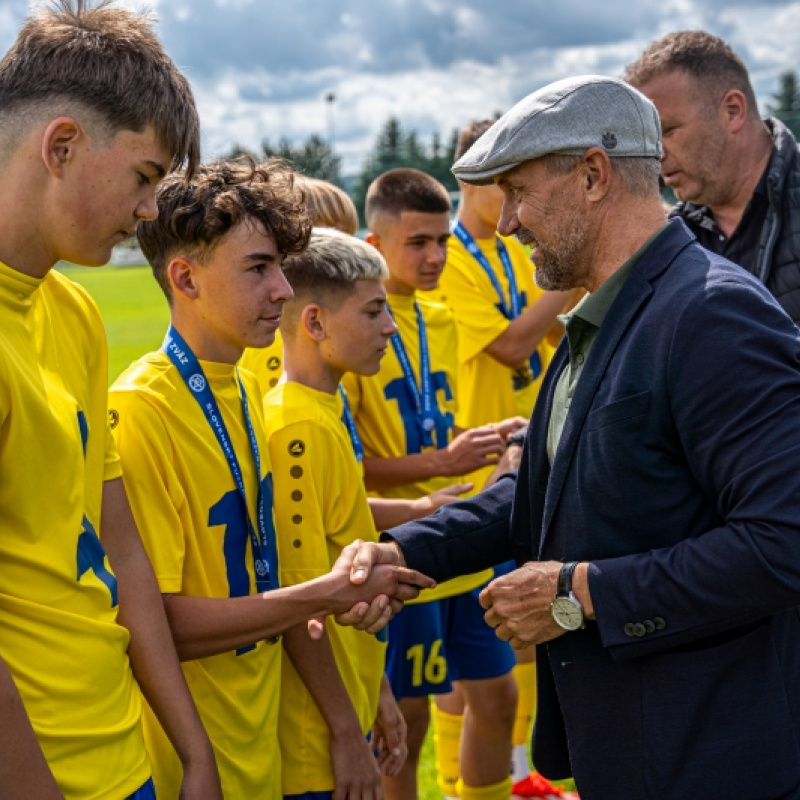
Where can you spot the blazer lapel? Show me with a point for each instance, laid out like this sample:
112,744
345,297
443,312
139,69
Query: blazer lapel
635,293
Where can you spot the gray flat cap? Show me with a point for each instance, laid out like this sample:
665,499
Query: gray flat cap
567,117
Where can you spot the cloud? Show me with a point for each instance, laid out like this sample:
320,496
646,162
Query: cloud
262,70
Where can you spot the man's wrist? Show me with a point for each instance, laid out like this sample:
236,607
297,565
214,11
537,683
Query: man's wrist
401,559
580,588
517,439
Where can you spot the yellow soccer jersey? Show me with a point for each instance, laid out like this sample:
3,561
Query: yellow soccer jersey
58,630
188,511
266,363
488,391
320,507
384,416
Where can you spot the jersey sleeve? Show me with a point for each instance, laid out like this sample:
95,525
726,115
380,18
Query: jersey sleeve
479,320
5,400
151,484
112,463
298,453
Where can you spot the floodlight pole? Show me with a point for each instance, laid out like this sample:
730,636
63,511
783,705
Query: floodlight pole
330,100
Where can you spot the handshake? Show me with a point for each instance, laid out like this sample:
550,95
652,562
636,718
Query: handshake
368,585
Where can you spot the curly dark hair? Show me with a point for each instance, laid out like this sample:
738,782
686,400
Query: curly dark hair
195,215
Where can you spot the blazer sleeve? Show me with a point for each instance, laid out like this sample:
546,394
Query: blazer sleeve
463,537
734,378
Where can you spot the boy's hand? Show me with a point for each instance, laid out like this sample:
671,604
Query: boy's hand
373,585
428,504
470,450
355,771
389,733
511,425
201,780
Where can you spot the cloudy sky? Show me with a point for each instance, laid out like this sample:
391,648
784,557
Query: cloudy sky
262,68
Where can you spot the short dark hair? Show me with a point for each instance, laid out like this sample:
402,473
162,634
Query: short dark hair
106,60
194,215
707,59
405,189
470,135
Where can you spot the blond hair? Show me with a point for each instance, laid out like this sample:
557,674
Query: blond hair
328,205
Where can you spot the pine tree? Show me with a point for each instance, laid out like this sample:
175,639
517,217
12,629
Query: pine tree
395,148
786,102
313,157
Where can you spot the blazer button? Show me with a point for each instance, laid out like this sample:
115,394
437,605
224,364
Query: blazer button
649,625
659,623
629,629
639,629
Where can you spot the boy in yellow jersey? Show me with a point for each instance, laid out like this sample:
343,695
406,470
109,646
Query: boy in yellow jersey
328,207
330,693
190,432
504,320
82,626
405,418
503,317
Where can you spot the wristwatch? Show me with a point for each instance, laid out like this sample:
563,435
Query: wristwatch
517,438
566,609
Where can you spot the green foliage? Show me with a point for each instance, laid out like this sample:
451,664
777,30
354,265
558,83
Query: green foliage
395,148
785,103
314,157
133,308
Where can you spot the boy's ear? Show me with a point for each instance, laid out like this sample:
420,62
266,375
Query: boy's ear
181,272
59,143
374,240
312,322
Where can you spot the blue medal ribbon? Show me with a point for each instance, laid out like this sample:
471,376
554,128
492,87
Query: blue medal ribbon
350,424
516,299
265,557
423,397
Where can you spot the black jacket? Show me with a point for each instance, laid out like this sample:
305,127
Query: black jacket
676,476
778,261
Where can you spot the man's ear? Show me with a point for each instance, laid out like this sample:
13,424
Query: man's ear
312,322
374,240
733,110
595,173
59,143
181,273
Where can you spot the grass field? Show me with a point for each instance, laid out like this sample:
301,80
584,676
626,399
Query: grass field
133,308
136,317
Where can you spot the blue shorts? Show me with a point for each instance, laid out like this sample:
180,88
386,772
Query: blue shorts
433,644
146,792
309,796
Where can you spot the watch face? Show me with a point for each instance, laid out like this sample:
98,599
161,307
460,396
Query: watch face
567,613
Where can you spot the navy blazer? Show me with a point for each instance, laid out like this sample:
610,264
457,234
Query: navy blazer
678,477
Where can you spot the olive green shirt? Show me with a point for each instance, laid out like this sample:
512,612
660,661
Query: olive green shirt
582,325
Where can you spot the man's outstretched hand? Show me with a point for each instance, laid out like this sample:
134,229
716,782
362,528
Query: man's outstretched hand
378,582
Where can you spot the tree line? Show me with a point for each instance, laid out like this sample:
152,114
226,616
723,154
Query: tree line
398,147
